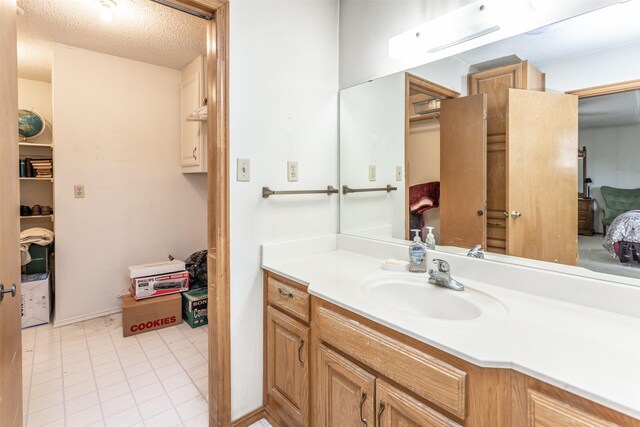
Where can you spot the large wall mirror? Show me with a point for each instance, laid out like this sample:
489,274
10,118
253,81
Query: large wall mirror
528,146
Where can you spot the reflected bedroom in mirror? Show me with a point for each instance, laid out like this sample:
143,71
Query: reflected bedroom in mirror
528,146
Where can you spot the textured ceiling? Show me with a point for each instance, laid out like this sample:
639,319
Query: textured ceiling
141,30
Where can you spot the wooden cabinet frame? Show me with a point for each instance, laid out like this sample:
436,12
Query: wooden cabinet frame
493,397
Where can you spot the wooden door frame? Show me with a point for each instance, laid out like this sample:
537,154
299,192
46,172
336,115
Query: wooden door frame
608,89
413,81
218,231
217,90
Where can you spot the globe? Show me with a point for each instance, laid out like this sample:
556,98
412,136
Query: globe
30,124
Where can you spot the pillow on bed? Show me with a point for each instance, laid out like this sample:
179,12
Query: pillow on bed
422,205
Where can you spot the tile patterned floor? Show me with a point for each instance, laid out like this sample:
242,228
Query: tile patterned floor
87,374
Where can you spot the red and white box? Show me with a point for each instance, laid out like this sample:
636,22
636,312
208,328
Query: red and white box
163,284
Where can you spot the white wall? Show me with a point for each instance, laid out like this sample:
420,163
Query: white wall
367,26
283,106
613,65
117,131
372,133
365,30
612,160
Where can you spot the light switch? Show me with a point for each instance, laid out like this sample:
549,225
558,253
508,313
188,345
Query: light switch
372,172
78,191
398,173
243,170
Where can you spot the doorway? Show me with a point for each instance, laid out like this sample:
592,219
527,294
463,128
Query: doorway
219,401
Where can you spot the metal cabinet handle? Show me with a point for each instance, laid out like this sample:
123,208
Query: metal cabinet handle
505,214
515,214
479,212
11,291
285,293
194,153
364,397
380,411
300,354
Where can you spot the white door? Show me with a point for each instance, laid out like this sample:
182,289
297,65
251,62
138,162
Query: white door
10,329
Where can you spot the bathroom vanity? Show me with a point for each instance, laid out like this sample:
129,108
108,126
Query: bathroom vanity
350,344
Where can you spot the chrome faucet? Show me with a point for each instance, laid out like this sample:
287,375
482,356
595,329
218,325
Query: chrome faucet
476,252
442,277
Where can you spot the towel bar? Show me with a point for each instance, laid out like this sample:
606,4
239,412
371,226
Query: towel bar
346,189
266,192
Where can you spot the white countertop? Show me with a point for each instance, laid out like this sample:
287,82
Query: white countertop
586,350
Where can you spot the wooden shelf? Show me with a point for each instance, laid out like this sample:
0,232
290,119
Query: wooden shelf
37,217
27,178
34,144
424,117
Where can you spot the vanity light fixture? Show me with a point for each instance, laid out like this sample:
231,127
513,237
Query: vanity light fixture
474,20
106,9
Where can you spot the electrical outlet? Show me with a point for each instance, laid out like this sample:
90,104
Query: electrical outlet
78,191
243,170
292,171
398,173
372,172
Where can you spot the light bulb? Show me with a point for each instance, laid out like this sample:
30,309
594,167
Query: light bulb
106,10
105,14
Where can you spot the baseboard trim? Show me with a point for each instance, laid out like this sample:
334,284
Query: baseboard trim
250,418
75,319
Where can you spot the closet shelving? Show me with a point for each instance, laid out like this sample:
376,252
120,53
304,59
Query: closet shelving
32,189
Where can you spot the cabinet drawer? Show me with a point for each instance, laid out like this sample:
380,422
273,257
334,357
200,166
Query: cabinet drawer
396,408
288,298
545,411
435,380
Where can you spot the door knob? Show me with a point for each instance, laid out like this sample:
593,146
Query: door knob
11,291
515,214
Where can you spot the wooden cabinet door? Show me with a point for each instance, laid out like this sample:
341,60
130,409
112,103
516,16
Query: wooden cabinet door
397,409
542,141
193,133
10,328
287,368
346,392
495,83
463,176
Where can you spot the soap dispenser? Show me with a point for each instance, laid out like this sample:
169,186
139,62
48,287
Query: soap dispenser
430,241
417,255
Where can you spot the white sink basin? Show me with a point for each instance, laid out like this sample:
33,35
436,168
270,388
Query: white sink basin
415,296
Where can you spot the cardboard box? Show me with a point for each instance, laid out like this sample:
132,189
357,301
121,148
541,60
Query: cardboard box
150,314
153,286
155,269
194,307
36,307
39,259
